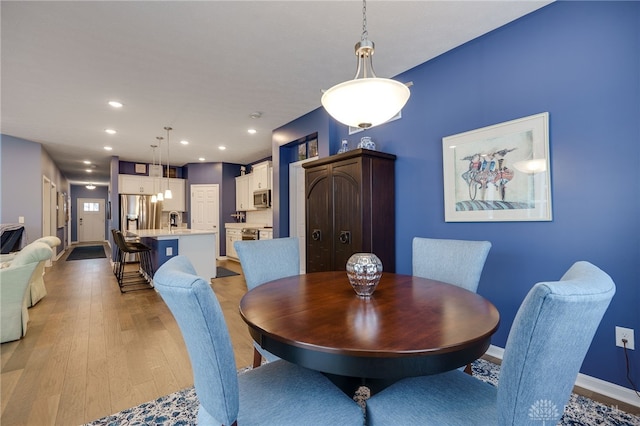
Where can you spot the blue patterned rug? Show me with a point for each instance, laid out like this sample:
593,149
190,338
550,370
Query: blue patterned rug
180,408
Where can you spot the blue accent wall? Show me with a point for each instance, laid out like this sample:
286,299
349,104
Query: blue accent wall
580,61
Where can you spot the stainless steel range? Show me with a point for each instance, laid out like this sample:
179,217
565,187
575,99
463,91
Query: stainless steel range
250,234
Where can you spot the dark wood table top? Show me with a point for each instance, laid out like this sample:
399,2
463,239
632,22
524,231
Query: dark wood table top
410,326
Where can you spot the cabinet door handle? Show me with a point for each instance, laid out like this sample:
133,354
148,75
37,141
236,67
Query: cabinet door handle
316,235
345,237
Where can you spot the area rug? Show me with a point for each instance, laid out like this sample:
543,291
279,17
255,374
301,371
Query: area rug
87,252
224,272
181,408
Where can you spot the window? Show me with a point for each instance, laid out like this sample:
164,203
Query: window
91,207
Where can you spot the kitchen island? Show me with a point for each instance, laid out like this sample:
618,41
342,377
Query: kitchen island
199,246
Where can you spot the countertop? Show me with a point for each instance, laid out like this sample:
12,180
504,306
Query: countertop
234,225
165,233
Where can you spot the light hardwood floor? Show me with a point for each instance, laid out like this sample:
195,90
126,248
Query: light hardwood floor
91,351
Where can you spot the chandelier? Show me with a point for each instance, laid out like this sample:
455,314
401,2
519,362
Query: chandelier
367,100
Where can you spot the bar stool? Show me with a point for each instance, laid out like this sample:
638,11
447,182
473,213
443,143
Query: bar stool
132,280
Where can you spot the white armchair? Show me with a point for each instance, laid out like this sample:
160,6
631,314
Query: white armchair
37,289
14,288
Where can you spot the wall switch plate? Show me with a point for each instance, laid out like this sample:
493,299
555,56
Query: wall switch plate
169,251
20,219
625,333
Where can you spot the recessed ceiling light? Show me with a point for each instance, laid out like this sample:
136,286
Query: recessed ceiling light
222,147
110,131
88,170
252,131
115,104
107,148
201,159
87,162
183,142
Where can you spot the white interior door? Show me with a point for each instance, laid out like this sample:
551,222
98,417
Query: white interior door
297,218
205,209
90,219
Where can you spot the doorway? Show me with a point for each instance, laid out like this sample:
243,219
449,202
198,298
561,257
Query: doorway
205,209
91,217
297,203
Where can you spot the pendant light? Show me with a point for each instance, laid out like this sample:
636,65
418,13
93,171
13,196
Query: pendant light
160,196
154,197
167,192
366,100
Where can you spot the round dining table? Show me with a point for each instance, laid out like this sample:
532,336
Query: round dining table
410,326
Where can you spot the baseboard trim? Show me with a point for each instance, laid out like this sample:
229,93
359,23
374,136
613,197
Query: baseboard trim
611,390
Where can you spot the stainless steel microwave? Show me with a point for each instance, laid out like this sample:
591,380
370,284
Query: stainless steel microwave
262,199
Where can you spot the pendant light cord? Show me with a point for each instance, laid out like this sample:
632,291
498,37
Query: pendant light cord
365,33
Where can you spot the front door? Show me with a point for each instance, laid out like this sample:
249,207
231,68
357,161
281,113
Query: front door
90,219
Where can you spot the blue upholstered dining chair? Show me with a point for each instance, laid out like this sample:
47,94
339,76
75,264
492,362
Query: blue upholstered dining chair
549,338
263,261
457,262
279,393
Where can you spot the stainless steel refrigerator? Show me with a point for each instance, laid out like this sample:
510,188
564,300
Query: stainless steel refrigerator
138,212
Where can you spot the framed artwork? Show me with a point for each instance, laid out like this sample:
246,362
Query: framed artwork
498,173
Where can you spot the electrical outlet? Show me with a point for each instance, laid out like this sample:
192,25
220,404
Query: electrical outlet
169,251
20,219
625,333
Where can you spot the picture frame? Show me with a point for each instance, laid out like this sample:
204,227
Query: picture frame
498,173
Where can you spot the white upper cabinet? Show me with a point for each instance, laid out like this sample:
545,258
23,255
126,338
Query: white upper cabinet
132,184
177,202
261,176
244,198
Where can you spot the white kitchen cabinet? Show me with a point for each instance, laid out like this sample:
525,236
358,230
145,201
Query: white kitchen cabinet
261,176
233,235
177,202
132,184
266,234
244,194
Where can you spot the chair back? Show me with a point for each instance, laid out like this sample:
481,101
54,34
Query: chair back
267,260
49,240
547,343
199,316
11,240
32,253
457,262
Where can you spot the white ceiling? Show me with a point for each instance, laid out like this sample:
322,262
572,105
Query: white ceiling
202,68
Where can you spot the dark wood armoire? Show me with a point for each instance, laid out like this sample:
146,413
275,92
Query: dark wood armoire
350,208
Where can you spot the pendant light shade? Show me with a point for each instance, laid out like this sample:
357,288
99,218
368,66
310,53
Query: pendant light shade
366,100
